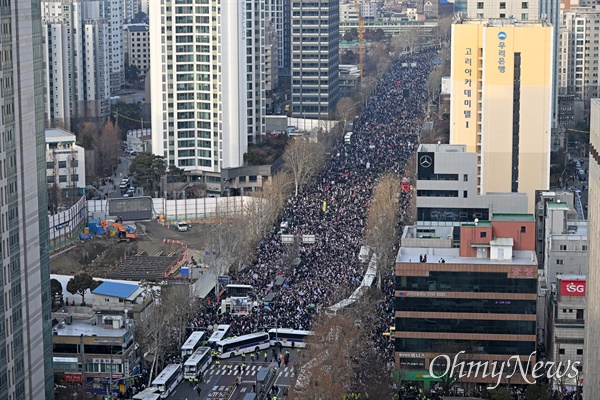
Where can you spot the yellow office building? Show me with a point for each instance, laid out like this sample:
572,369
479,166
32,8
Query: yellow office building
502,102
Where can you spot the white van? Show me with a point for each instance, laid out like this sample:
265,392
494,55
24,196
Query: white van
347,137
182,226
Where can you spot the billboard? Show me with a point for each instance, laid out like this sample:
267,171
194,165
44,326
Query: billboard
572,288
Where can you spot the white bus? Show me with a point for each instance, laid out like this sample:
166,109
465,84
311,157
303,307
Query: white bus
289,337
218,335
168,380
192,343
252,342
147,394
237,290
197,363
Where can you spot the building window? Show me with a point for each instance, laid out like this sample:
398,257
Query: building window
523,229
525,5
579,314
480,5
50,179
49,165
74,178
524,16
559,262
465,194
62,178
480,15
584,247
563,247
482,234
62,164
561,351
466,177
502,16
579,352
503,5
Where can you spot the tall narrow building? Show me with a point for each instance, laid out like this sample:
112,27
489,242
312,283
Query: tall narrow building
25,320
591,350
207,82
502,102
315,58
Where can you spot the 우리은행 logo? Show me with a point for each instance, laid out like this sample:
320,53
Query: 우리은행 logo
501,35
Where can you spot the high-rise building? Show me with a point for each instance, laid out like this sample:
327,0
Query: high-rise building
84,56
274,14
315,58
591,353
137,46
25,319
208,83
501,102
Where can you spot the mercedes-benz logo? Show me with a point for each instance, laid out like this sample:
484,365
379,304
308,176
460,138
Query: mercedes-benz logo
425,161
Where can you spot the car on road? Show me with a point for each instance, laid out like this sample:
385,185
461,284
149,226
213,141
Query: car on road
181,226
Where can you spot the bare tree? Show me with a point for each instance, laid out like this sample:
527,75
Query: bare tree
444,29
434,83
382,222
108,148
302,160
346,109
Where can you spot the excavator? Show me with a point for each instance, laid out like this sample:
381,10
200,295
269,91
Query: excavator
123,235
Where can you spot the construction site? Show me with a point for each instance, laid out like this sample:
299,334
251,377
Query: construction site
153,252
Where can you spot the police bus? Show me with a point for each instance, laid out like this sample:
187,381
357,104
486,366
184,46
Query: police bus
289,337
192,343
252,342
197,363
168,380
219,334
147,394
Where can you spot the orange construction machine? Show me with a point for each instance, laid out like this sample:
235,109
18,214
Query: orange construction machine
123,235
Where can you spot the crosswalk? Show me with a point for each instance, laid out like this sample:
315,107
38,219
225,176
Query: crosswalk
249,371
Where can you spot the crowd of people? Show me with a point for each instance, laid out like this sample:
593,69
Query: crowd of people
385,136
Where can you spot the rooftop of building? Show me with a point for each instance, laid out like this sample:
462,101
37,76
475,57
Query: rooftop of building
57,134
554,205
442,148
136,27
493,22
427,232
513,218
120,290
452,256
570,277
86,327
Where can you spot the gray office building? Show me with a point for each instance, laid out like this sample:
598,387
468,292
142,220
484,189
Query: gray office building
447,188
315,58
25,319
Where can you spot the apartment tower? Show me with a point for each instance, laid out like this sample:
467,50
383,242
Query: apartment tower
208,82
25,320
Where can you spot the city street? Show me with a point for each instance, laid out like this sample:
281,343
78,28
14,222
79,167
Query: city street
220,381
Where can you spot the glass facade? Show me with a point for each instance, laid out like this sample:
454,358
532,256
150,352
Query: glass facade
446,281
478,346
457,325
490,306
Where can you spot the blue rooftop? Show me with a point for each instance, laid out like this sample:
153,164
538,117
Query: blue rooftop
114,289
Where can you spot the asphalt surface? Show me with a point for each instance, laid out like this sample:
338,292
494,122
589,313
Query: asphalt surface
220,381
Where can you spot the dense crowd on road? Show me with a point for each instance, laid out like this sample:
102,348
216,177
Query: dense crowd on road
385,137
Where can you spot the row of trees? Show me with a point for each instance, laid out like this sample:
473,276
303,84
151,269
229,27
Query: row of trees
78,285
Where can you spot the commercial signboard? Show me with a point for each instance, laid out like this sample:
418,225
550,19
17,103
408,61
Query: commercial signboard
572,288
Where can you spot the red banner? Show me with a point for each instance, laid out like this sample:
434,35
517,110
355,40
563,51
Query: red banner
72,377
572,288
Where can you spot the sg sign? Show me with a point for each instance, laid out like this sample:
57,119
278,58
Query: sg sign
572,288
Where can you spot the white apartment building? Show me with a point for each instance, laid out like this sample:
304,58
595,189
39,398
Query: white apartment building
75,38
271,64
208,86
348,11
65,160
521,10
114,18
130,9
368,9
136,38
578,57
274,14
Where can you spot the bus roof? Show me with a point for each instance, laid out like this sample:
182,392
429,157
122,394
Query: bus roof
194,338
287,330
166,374
239,286
223,327
147,394
243,337
197,356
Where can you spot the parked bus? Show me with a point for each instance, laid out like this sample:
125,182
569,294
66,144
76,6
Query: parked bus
289,337
192,343
168,380
197,363
252,342
235,290
147,394
218,335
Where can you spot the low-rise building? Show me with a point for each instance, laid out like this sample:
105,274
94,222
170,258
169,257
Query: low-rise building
470,288
566,326
117,297
447,188
349,79
65,161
